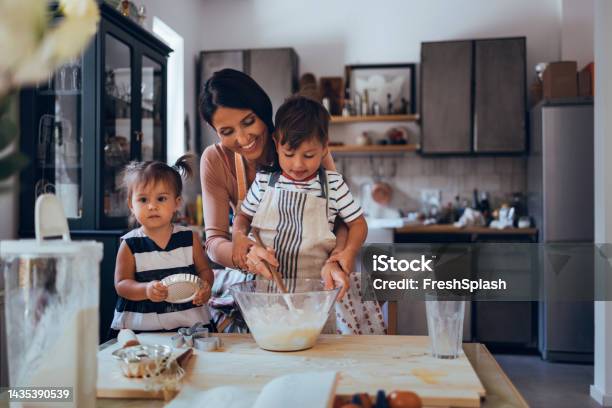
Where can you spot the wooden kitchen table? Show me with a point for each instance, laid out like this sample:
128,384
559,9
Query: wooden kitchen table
331,351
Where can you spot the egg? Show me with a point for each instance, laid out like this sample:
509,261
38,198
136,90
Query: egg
404,399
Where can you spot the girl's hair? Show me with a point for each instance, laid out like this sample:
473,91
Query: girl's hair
143,173
234,89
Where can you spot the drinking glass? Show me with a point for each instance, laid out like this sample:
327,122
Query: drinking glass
445,324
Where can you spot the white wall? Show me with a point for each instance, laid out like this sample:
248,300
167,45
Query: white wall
184,17
577,31
601,390
329,34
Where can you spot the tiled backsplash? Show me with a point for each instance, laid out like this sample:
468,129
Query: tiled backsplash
499,176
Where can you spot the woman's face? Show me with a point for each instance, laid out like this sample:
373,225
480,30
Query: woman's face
241,131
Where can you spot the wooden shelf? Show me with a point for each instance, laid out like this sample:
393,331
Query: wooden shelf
373,118
451,229
370,149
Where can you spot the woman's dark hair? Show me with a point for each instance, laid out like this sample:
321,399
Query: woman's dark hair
143,173
234,89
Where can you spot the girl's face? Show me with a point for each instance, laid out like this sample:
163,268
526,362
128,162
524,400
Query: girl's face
241,131
154,204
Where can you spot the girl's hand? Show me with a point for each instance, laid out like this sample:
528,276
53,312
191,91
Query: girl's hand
156,291
333,277
346,259
255,259
240,249
202,295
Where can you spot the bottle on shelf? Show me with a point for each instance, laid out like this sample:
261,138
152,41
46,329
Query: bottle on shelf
376,108
357,104
365,103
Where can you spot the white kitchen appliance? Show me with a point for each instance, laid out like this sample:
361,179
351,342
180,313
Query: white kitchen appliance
51,307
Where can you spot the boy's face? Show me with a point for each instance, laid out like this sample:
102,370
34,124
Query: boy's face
154,204
301,163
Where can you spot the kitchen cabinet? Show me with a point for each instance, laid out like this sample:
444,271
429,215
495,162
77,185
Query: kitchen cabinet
501,325
473,96
274,69
499,96
82,126
446,97
91,118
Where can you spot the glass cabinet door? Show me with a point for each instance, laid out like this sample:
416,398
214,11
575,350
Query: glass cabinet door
58,154
117,123
151,110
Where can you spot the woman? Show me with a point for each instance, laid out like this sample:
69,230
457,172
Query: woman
241,113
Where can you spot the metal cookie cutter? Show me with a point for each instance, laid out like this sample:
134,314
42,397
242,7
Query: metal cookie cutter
186,335
208,344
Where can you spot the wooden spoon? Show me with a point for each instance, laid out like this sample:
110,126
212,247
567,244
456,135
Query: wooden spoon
275,275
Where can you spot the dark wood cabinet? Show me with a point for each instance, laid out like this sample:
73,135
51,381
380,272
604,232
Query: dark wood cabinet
446,102
274,69
501,325
82,126
473,96
499,96
92,117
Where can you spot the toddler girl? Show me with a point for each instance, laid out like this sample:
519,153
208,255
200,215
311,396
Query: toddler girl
156,250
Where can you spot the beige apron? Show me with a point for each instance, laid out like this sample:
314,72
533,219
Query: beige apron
296,225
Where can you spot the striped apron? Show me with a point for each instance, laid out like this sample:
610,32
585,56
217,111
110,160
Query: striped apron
296,225
155,263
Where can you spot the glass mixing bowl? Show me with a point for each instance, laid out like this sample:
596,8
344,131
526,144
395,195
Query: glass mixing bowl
285,322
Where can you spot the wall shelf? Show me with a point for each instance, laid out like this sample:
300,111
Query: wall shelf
375,118
375,149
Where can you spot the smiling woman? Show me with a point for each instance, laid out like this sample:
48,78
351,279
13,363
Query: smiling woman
240,112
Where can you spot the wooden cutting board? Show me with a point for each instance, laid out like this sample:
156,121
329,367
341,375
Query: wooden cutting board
365,364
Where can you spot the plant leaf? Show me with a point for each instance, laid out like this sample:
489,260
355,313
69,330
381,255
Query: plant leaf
11,164
5,104
8,132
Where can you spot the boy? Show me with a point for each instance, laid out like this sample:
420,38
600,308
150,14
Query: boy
295,207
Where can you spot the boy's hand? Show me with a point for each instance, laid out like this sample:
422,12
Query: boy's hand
156,291
257,254
333,276
203,294
240,249
346,259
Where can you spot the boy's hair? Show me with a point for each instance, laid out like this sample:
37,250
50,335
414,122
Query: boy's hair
299,119
143,173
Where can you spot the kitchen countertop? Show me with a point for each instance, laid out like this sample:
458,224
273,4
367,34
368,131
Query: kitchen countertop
451,229
499,390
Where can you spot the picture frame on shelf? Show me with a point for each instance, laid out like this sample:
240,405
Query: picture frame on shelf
391,88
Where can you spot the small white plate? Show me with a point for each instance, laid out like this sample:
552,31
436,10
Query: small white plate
182,287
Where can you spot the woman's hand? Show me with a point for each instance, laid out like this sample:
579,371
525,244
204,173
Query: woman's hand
156,291
346,259
203,294
257,254
333,277
240,248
